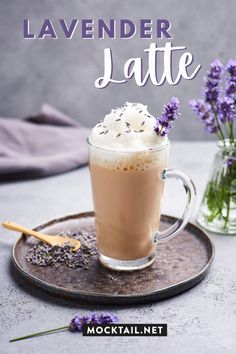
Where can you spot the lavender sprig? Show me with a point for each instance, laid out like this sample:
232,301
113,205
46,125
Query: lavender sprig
76,324
169,114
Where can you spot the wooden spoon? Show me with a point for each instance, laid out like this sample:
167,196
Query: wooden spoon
50,239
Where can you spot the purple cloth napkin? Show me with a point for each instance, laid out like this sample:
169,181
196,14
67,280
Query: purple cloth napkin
41,145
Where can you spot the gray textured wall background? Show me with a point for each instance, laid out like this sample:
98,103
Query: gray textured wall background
62,72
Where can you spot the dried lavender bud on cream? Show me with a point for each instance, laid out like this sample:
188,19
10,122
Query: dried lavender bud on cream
128,128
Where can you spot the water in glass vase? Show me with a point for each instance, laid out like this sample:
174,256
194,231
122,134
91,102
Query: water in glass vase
218,209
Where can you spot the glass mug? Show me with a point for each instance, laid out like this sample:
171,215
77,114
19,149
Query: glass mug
127,188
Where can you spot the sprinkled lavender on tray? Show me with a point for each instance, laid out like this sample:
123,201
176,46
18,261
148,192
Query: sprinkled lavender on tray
42,254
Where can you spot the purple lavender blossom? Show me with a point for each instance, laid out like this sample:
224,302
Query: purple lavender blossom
169,114
76,324
212,79
95,318
231,79
231,161
203,111
231,67
230,88
226,109
107,318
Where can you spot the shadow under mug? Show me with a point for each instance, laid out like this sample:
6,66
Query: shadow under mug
127,188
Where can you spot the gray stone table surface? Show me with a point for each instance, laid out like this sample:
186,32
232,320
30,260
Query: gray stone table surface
201,320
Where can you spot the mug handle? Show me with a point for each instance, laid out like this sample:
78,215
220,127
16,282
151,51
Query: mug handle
190,190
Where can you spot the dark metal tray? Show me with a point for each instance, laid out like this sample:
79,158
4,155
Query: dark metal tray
180,264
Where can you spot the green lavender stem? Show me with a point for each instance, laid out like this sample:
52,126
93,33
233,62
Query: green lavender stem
220,191
40,333
218,124
231,135
228,196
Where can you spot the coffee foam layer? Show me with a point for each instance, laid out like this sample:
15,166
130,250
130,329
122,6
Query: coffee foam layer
132,161
128,128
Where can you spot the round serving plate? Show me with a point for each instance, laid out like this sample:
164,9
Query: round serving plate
180,263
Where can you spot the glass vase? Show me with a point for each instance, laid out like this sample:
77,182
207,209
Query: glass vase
218,208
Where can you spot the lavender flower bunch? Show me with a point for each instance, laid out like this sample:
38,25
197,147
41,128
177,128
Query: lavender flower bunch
168,116
217,108
76,324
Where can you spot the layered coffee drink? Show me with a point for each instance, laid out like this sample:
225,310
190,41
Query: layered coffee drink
127,160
